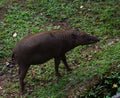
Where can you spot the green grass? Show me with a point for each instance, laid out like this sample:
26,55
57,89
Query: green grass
2,3
98,18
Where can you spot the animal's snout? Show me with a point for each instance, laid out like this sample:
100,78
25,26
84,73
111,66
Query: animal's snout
93,39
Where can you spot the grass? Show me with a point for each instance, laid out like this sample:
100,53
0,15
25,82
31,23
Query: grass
2,3
98,18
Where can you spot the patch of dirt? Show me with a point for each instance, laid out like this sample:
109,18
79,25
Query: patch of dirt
63,24
3,82
6,80
3,10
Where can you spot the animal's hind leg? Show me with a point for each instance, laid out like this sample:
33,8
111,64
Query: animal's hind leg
65,63
57,62
22,73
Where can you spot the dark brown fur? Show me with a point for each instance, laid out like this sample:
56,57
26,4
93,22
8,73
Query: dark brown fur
39,48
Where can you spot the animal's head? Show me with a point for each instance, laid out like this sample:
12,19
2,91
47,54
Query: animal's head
81,38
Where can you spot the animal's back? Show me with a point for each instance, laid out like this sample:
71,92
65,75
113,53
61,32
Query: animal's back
40,47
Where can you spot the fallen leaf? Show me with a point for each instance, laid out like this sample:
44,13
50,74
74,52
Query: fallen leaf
15,34
0,87
81,6
115,85
111,43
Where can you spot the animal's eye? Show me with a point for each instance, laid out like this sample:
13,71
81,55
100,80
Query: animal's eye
74,36
85,36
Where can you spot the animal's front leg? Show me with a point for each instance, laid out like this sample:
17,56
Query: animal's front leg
65,63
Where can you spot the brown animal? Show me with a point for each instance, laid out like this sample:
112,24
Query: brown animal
41,47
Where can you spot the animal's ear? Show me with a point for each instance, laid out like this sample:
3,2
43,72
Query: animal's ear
74,36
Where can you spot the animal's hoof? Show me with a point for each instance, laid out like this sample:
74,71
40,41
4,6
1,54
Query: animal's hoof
58,75
57,80
22,93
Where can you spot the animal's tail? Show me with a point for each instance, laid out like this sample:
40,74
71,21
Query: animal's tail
13,57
